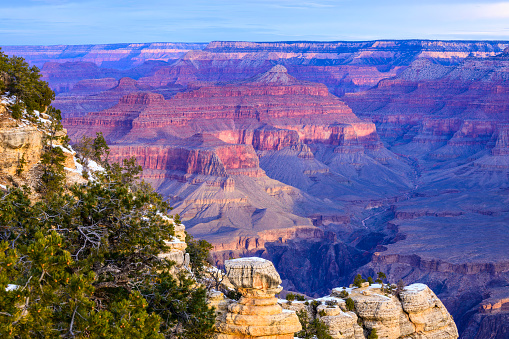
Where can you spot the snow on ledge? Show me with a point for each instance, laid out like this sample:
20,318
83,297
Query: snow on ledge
258,259
415,288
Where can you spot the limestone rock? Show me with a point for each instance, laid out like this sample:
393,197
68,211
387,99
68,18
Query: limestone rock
417,313
427,312
256,314
253,274
177,246
17,143
343,325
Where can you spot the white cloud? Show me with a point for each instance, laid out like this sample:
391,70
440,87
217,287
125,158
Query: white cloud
492,11
476,11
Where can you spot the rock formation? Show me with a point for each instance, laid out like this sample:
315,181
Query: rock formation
415,313
110,55
257,313
19,142
177,246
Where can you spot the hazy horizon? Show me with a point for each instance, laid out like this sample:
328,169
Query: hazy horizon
83,22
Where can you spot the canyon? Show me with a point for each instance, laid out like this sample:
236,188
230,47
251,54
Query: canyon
329,159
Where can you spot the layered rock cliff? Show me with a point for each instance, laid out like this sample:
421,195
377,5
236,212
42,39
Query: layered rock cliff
108,55
205,146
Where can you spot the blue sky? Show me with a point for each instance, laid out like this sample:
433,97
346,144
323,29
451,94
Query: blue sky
49,22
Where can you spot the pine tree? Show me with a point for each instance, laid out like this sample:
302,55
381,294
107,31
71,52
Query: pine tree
87,261
373,334
23,81
314,329
358,281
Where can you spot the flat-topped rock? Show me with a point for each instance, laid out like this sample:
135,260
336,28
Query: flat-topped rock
252,273
256,314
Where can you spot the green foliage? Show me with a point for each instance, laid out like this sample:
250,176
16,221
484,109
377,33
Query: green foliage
95,149
51,298
373,334
380,279
381,276
350,305
370,281
343,294
23,81
87,262
304,322
198,254
53,174
178,302
234,295
311,329
400,287
21,165
290,297
314,306
300,297
331,303
358,280
17,111
53,157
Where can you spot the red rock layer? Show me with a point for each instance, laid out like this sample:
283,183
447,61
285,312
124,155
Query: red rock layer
119,55
200,154
273,95
271,111
116,121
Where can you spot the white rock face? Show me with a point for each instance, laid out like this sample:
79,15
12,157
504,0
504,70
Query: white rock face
427,312
253,274
416,314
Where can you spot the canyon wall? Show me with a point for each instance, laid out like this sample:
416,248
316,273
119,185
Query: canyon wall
327,158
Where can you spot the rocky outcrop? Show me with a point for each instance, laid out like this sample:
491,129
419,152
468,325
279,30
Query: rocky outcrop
257,313
427,313
415,313
199,155
18,143
117,121
177,245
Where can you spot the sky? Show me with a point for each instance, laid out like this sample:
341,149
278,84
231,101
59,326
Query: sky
53,22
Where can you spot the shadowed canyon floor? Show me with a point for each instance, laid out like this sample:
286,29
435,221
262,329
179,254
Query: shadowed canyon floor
327,158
